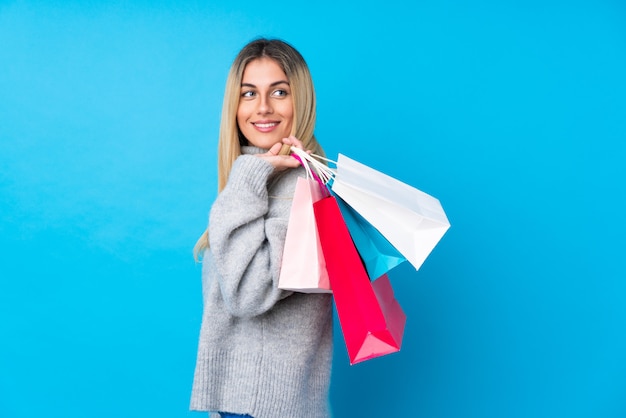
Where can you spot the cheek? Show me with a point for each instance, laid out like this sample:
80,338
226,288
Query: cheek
240,113
288,113
241,116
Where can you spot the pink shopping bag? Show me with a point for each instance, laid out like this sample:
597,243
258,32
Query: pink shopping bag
303,268
372,321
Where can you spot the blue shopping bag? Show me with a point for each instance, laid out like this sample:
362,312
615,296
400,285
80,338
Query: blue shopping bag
377,253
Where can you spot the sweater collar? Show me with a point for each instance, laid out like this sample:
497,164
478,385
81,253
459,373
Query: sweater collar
248,149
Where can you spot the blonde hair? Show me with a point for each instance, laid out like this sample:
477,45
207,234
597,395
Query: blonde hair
303,93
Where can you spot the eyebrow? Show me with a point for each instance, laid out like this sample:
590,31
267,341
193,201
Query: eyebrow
275,83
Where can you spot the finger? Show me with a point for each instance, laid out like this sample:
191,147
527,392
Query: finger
290,162
275,149
297,142
292,140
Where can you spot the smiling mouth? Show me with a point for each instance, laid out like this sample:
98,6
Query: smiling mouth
265,125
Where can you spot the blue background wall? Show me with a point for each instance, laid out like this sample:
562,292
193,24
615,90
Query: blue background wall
511,113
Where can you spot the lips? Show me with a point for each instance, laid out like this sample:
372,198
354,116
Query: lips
265,126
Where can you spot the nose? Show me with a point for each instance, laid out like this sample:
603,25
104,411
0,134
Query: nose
265,106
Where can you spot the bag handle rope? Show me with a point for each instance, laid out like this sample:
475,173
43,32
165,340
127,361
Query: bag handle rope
324,172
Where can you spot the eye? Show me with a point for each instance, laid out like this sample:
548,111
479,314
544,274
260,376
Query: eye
247,93
280,93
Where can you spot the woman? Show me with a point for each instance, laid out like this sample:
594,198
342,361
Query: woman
263,352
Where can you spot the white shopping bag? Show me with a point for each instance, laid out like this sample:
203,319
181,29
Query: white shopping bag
411,220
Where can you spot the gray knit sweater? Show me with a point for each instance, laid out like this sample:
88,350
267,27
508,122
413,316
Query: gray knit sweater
262,351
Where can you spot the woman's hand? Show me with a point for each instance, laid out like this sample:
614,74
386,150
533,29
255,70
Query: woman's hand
282,162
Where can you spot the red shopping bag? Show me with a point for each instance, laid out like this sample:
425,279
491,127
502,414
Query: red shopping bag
303,268
372,321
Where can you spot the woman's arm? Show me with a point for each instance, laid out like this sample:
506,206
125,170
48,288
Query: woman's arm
246,243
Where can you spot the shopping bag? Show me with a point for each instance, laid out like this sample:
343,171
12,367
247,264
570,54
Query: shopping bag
411,220
377,254
303,268
371,320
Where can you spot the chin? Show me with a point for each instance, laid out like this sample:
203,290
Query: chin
265,143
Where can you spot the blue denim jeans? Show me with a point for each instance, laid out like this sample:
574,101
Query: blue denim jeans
228,415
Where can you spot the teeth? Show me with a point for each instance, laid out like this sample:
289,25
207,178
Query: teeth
265,125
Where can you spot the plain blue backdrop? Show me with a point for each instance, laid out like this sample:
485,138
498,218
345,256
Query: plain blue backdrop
512,113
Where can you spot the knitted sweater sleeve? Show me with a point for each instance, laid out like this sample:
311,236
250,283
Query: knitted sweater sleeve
245,241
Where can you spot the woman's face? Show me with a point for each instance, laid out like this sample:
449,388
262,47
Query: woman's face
265,111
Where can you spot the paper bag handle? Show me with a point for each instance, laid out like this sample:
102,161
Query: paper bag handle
322,173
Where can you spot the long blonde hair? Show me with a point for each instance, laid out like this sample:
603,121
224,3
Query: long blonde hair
302,90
